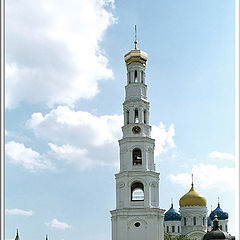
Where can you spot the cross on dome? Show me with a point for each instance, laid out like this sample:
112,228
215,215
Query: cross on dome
135,37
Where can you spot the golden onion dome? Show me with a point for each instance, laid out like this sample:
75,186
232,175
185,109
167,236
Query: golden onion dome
136,55
192,198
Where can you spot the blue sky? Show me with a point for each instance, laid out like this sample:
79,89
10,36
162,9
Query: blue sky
65,78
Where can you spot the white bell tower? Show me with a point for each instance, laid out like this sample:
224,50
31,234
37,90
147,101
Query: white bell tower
137,215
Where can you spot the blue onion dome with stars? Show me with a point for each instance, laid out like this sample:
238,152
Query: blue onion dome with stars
209,221
221,215
172,215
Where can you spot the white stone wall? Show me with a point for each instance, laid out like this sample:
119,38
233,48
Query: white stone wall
149,179
199,212
168,227
127,145
151,224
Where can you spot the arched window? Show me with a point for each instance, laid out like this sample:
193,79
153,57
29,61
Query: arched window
136,120
142,77
194,220
137,192
184,221
203,221
135,76
137,156
178,229
127,117
167,229
145,116
173,228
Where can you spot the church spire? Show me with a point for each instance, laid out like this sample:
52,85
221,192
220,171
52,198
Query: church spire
192,180
17,236
135,37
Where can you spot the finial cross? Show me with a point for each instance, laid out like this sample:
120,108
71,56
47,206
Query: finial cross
135,37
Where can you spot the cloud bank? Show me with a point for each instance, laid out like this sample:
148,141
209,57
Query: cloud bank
220,155
207,176
53,52
84,140
17,211
17,153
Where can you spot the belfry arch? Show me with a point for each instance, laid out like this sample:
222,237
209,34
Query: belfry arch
137,156
137,191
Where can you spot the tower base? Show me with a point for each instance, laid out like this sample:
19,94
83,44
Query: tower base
137,224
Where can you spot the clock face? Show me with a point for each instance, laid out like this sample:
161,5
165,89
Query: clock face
136,129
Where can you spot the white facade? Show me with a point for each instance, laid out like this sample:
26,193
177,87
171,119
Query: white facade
172,227
194,221
137,215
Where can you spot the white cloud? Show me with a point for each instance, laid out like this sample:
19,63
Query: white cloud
54,223
220,155
77,128
85,140
53,53
208,176
72,155
17,211
28,158
163,137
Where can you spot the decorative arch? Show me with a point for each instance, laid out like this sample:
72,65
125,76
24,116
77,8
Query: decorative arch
197,234
153,184
136,179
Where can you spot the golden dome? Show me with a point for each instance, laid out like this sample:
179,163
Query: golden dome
192,198
136,55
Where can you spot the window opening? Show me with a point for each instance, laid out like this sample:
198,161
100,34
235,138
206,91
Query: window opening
226,228
136,120
137,224
167,229
194,220
137,191
221,227
142,77
129,77
144,116
135,76
137,156
127,117
173,228
178,228
203,221
184,221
